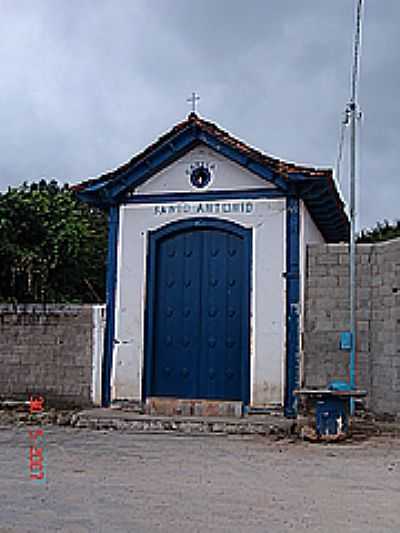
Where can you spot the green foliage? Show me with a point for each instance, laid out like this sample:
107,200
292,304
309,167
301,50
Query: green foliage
52,246
383,231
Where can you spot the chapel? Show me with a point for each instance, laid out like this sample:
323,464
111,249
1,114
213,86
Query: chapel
206,267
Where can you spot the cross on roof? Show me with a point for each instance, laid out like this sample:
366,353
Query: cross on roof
193,99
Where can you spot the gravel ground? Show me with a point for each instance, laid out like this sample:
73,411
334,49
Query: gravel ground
120,482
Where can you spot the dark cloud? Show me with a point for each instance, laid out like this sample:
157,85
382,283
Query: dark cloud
85,84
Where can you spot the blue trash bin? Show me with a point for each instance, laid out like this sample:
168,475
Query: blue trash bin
332,415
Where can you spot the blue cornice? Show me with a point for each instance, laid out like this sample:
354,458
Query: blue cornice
106,191
318,193
226,195
245,161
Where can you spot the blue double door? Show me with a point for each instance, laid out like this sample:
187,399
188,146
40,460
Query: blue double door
199,311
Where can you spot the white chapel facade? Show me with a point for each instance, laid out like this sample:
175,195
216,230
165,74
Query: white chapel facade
206,266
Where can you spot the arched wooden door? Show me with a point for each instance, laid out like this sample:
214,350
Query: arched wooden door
198,311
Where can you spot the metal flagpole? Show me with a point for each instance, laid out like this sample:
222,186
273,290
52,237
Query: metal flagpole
353,117
353,258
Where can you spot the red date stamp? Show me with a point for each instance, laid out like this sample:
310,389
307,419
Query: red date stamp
37,464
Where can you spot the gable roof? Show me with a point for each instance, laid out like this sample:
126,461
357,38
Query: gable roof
313,185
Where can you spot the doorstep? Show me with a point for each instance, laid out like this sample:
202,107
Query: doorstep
176,406
123,420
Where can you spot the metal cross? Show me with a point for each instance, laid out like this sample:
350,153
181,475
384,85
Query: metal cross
193,99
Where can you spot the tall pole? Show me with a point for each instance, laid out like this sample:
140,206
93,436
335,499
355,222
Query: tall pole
353,258
354,115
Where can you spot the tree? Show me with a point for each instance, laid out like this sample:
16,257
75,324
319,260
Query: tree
383,231
52,246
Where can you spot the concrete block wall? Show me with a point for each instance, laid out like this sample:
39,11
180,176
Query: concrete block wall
47,350
385,335
378,320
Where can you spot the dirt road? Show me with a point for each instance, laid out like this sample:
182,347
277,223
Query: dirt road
119,482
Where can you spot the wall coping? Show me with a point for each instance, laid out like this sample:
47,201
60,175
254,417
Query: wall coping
361,247
45,308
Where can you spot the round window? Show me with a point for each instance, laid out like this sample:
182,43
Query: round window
200,177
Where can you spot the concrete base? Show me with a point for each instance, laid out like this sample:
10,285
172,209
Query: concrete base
178,407
124,420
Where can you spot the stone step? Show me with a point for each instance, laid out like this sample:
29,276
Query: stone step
182,407
102,419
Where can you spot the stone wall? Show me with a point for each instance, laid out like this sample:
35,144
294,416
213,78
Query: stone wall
46,350
378,320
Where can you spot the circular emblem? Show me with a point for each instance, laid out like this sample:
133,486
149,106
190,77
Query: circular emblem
200,177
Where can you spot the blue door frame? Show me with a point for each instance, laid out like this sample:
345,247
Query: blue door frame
188,225
113,227
292,302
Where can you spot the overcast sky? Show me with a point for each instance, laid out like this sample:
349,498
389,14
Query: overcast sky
85,84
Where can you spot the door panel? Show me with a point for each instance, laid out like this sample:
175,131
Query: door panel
200,314
177,315
222,315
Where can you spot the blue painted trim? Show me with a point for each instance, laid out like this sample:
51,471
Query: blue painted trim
319,197
164,156
167,153
149,314
204,196
234,155
322,203
292,304
110,305
153,239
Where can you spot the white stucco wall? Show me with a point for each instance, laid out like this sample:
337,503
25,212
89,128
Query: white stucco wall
225,175
99,325
309,234
267,220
